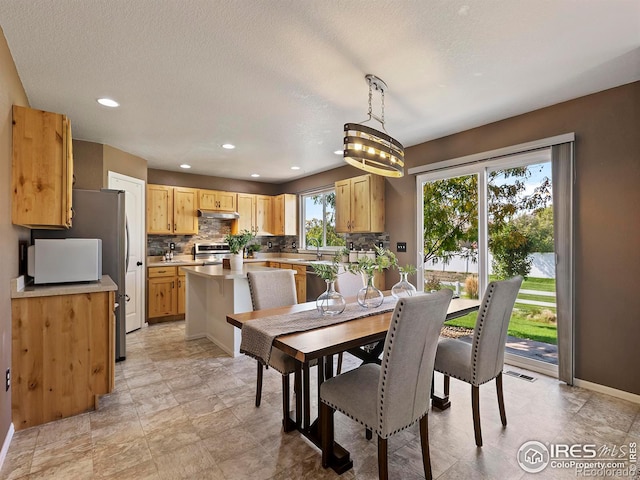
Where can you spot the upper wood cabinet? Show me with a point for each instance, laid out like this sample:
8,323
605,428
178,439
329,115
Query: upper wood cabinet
216,200
42,170
360,204
256,214
284,214
171,210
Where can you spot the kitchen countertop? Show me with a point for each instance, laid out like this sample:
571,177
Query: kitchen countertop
19,290
216,271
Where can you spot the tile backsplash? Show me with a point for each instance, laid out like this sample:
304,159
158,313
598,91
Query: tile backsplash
214,230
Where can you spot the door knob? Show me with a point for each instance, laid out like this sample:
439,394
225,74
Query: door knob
139,264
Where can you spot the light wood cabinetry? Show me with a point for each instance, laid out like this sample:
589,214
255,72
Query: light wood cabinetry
182,292
63,355
256,214
217,200
42,169
360,204
285,214
163,292
171,210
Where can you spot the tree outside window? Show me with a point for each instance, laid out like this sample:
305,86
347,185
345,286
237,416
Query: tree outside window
320,220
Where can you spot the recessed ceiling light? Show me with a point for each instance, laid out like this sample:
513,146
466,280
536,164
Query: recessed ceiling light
228,146
339,152
295,168
255,175
184,165
107,102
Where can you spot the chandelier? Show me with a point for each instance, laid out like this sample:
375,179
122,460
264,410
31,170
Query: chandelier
369,149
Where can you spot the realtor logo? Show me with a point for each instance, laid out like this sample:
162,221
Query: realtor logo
533,457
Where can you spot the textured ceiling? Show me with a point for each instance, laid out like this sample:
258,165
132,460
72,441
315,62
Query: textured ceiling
279,78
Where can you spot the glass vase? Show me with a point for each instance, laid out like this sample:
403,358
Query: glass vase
403,288
331,302
369,296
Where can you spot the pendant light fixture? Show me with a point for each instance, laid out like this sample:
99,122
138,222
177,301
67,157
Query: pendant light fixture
369,149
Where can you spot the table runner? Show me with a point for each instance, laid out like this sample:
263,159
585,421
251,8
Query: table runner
258,335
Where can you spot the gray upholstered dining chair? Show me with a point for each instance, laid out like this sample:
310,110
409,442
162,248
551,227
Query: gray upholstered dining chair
272,289
390,397
481,361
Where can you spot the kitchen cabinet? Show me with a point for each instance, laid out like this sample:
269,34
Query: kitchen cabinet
171,210
285,214
256,212
217,200
42,169
360,204
63,355
182,292
162,292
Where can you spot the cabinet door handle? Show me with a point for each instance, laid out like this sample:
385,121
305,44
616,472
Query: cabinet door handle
175,226
179,283
173,284
168,226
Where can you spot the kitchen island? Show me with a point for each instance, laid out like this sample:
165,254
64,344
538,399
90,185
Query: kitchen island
213,292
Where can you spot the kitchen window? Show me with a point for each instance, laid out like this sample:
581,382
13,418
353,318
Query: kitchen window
319,220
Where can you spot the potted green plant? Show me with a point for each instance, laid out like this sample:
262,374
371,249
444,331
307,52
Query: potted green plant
370,296
252,249
237,242
330,302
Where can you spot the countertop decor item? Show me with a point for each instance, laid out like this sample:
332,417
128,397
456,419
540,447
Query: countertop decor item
369,149
237,242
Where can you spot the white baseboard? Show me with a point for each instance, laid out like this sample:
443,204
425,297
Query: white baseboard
596,387
5,445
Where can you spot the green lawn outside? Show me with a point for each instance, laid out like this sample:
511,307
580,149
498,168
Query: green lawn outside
527,321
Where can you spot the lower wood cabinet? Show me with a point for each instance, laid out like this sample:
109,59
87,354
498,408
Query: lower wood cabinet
166,293
63,355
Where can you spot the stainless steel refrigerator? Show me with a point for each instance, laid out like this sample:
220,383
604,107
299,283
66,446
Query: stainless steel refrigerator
101,214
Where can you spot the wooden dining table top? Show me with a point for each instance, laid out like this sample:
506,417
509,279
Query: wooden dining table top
333,339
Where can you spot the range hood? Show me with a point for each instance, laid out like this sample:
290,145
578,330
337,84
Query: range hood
218,215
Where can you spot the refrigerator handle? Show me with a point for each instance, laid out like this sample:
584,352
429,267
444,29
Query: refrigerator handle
126,229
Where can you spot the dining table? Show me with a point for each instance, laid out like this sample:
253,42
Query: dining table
321,344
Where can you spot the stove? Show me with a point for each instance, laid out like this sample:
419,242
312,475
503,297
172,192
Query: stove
210,253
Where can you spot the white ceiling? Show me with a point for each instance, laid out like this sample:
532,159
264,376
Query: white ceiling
279,78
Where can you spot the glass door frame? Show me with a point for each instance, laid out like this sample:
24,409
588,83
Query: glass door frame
481,168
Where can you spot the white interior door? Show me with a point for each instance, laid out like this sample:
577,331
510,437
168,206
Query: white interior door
135,208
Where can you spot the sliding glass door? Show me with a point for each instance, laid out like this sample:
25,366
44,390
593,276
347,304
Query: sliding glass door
491,220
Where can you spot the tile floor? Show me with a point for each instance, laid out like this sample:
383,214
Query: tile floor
184,410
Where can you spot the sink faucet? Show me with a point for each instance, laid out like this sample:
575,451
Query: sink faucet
317,242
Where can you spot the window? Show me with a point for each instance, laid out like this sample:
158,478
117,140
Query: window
319,220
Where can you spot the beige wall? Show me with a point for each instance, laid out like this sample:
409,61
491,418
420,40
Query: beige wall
166,177
11,93
115,160
87,165
607,223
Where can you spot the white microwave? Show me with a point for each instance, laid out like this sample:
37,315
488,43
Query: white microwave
65,260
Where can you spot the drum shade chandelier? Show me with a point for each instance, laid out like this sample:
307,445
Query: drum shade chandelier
369,149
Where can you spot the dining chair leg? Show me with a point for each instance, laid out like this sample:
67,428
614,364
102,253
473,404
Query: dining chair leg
475,403
326,429
368,434
424,440
503,414
383,467
339,368
447,385
259,384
